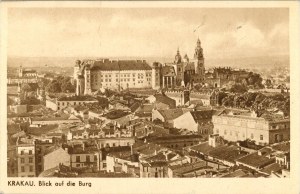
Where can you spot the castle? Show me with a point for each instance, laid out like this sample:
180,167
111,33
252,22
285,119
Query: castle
92,75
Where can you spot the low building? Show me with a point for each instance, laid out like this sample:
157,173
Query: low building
263,130
180,97
63,102
168,115
121,161
175,141
196,121
84,157
157,169
161,101
55,156
40,121
255,161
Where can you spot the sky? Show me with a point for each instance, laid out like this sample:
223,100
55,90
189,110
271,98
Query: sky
147,32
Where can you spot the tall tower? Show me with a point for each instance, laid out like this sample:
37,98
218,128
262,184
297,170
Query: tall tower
156,75
177,57
199,61
20,71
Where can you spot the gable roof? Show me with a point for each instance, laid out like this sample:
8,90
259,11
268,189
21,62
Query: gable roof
170,114
202,115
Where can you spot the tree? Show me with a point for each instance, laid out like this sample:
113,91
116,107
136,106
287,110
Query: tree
53,87
238,88
26,88
67,86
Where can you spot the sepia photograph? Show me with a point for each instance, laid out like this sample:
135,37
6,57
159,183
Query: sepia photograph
146,92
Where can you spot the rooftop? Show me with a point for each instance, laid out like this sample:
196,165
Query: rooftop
255,160
76,98
116,65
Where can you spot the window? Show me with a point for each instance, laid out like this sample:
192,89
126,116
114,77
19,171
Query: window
22,160
22,169
77,158
30,152
30,160
22,152
77,165
95,157
88,159
261,137
31,168
252,136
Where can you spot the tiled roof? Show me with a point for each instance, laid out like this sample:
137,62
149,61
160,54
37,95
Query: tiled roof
168,70
274,167
76,98
164,99
145,108
255,160
228,153
283,147
237,173
170,114
115,114
203,148
188,167
108,65
202,115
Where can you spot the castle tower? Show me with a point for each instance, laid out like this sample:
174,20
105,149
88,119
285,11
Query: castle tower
199,61
76,68
87,81
177,57
156,75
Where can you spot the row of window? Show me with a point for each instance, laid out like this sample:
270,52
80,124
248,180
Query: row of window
23,168
121,75
30,160
69,103
261,137
29,152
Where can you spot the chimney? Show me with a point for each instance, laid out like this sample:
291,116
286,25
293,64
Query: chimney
83,146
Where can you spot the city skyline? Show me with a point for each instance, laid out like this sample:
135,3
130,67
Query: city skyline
112,32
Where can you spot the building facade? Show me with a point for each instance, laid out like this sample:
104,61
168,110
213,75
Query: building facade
26,160
261,130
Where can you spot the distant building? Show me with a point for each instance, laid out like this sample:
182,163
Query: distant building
24,76
223,75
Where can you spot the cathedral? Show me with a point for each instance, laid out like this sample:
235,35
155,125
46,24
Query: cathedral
182,72
92,75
